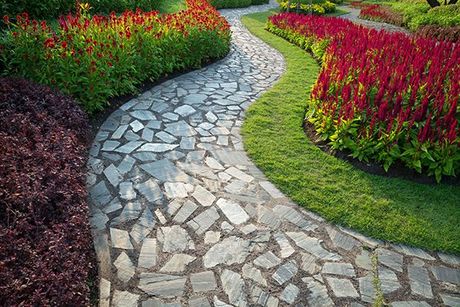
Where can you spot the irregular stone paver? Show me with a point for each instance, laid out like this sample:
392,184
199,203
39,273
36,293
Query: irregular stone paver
450,300
342,287
124,299
228,251
234,287
286,248
174,239
251,272
318,295
120,239
204,281
367,289
290,293
199,302
267,260
180,215
446,274
162,285
389,280
233,211
345,269
125,267
177,263
148,254
419,281
285,272
390,259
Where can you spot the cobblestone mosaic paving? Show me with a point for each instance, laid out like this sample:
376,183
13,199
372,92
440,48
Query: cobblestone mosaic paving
182,217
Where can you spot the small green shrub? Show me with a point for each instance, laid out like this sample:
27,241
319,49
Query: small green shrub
446,15
317,7
409,10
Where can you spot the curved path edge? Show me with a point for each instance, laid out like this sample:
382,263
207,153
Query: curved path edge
353,15
182,217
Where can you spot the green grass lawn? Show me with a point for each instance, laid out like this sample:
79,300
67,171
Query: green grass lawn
396,210
171,6
338,12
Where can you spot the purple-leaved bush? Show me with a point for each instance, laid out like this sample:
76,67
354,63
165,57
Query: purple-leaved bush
46,252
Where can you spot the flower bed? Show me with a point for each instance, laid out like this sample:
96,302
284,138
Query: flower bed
46,249
381,13
384,97
95,58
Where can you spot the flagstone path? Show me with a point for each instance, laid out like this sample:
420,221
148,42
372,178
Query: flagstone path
353,15
182,217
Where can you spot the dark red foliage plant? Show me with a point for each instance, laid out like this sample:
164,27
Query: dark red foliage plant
45,242
451,34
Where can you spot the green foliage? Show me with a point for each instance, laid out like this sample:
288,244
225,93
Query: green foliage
410,10
419,13
316,47
318,7
446,15
222,4
48,9
385,208
96,59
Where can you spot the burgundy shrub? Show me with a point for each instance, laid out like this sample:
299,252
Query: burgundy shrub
451,34
45,241
358,4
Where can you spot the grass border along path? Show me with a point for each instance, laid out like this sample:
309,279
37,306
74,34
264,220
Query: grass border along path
426,216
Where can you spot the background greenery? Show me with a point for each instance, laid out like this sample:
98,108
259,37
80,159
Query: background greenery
97,59
317,7
417,13
48,9
221,4
396,210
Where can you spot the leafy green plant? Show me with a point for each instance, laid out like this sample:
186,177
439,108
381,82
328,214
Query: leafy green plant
446,16
317,7
95,58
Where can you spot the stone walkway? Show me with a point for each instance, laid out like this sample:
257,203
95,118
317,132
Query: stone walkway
353,15
182,217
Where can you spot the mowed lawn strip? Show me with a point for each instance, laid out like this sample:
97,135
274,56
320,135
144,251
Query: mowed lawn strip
171,6
396,210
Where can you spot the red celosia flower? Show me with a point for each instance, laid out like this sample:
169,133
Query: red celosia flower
399,88
49,43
